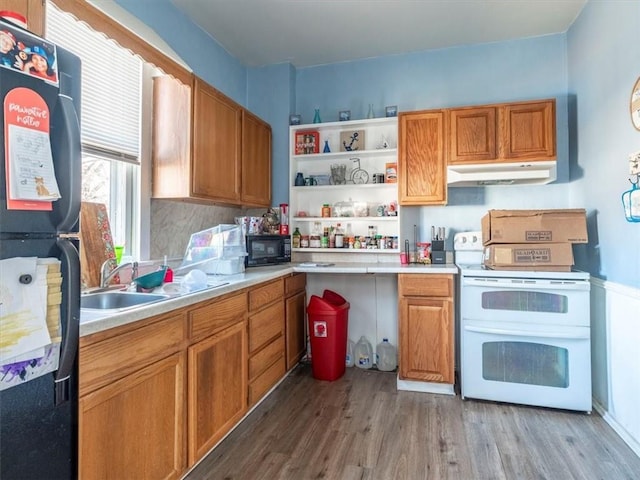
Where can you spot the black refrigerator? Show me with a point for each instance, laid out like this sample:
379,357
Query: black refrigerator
39,210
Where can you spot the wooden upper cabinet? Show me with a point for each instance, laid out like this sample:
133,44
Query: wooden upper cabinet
502,133
472,134
256,161
421,158
172,122
32,10
217,133
207,148
529,130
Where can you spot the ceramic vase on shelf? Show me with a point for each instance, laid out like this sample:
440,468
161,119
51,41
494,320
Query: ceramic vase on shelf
326,147
316,116
299,181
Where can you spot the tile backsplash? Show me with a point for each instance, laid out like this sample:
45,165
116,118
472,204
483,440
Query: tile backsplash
172,223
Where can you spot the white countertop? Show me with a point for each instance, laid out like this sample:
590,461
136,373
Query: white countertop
94,321
368,267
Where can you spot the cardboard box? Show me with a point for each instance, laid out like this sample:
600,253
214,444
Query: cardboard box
529,256
534,226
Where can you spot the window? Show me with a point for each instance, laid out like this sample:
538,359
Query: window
110,123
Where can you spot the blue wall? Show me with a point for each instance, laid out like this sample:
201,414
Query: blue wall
206,57
497,72
589,70
603,65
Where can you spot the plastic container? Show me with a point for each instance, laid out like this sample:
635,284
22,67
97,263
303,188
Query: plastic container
350,347
363,353
328,318
386,356
217,250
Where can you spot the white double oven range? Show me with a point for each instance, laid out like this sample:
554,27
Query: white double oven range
525,337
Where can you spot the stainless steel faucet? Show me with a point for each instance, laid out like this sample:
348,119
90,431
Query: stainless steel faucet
106,274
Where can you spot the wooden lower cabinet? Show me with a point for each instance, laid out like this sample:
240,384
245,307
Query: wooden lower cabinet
217,387
155,396
426,328
295,308
134,427
267,362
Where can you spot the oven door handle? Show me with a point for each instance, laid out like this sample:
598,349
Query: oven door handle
526,333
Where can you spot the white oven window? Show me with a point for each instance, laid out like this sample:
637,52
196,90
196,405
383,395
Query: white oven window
525,362
525,301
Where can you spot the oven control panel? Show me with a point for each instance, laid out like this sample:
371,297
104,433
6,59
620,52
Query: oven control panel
467,241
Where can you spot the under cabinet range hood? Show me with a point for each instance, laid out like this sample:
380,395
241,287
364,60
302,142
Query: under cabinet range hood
478,175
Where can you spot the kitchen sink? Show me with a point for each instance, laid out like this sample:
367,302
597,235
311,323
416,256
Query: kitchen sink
118,300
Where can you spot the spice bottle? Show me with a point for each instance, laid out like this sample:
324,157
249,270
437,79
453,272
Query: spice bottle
324,240
326,210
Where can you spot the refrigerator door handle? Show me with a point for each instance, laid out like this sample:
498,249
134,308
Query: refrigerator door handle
72,149
71,318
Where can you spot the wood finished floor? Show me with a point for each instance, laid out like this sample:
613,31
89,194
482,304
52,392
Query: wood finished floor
360,427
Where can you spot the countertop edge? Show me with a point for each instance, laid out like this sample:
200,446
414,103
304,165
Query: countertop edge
253,276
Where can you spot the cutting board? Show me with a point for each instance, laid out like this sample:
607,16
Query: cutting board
96,242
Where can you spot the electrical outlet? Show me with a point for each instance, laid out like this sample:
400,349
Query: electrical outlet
634,164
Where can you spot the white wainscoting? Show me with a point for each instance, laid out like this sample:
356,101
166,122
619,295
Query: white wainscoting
615,356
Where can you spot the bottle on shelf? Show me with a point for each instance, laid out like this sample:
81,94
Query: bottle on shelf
324,241
295,238
348,236
339,237
332,237
314,238
326,210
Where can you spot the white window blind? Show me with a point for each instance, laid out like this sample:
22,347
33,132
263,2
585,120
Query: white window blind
110,121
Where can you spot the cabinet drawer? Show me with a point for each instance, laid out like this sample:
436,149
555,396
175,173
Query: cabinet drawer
265,294
266,357
216,316
264,382
266,326
295,283
104,362
425,285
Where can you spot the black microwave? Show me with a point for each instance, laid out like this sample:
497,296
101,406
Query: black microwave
267,250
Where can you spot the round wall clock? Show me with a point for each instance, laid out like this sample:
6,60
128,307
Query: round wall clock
634,105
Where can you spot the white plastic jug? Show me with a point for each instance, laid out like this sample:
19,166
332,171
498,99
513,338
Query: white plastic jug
350,348
386,356
363,353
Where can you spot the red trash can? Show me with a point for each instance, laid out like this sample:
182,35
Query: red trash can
328,324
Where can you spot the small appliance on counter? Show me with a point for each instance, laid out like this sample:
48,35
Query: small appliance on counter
267,249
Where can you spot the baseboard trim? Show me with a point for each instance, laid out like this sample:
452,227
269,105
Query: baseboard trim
425,387
619,429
